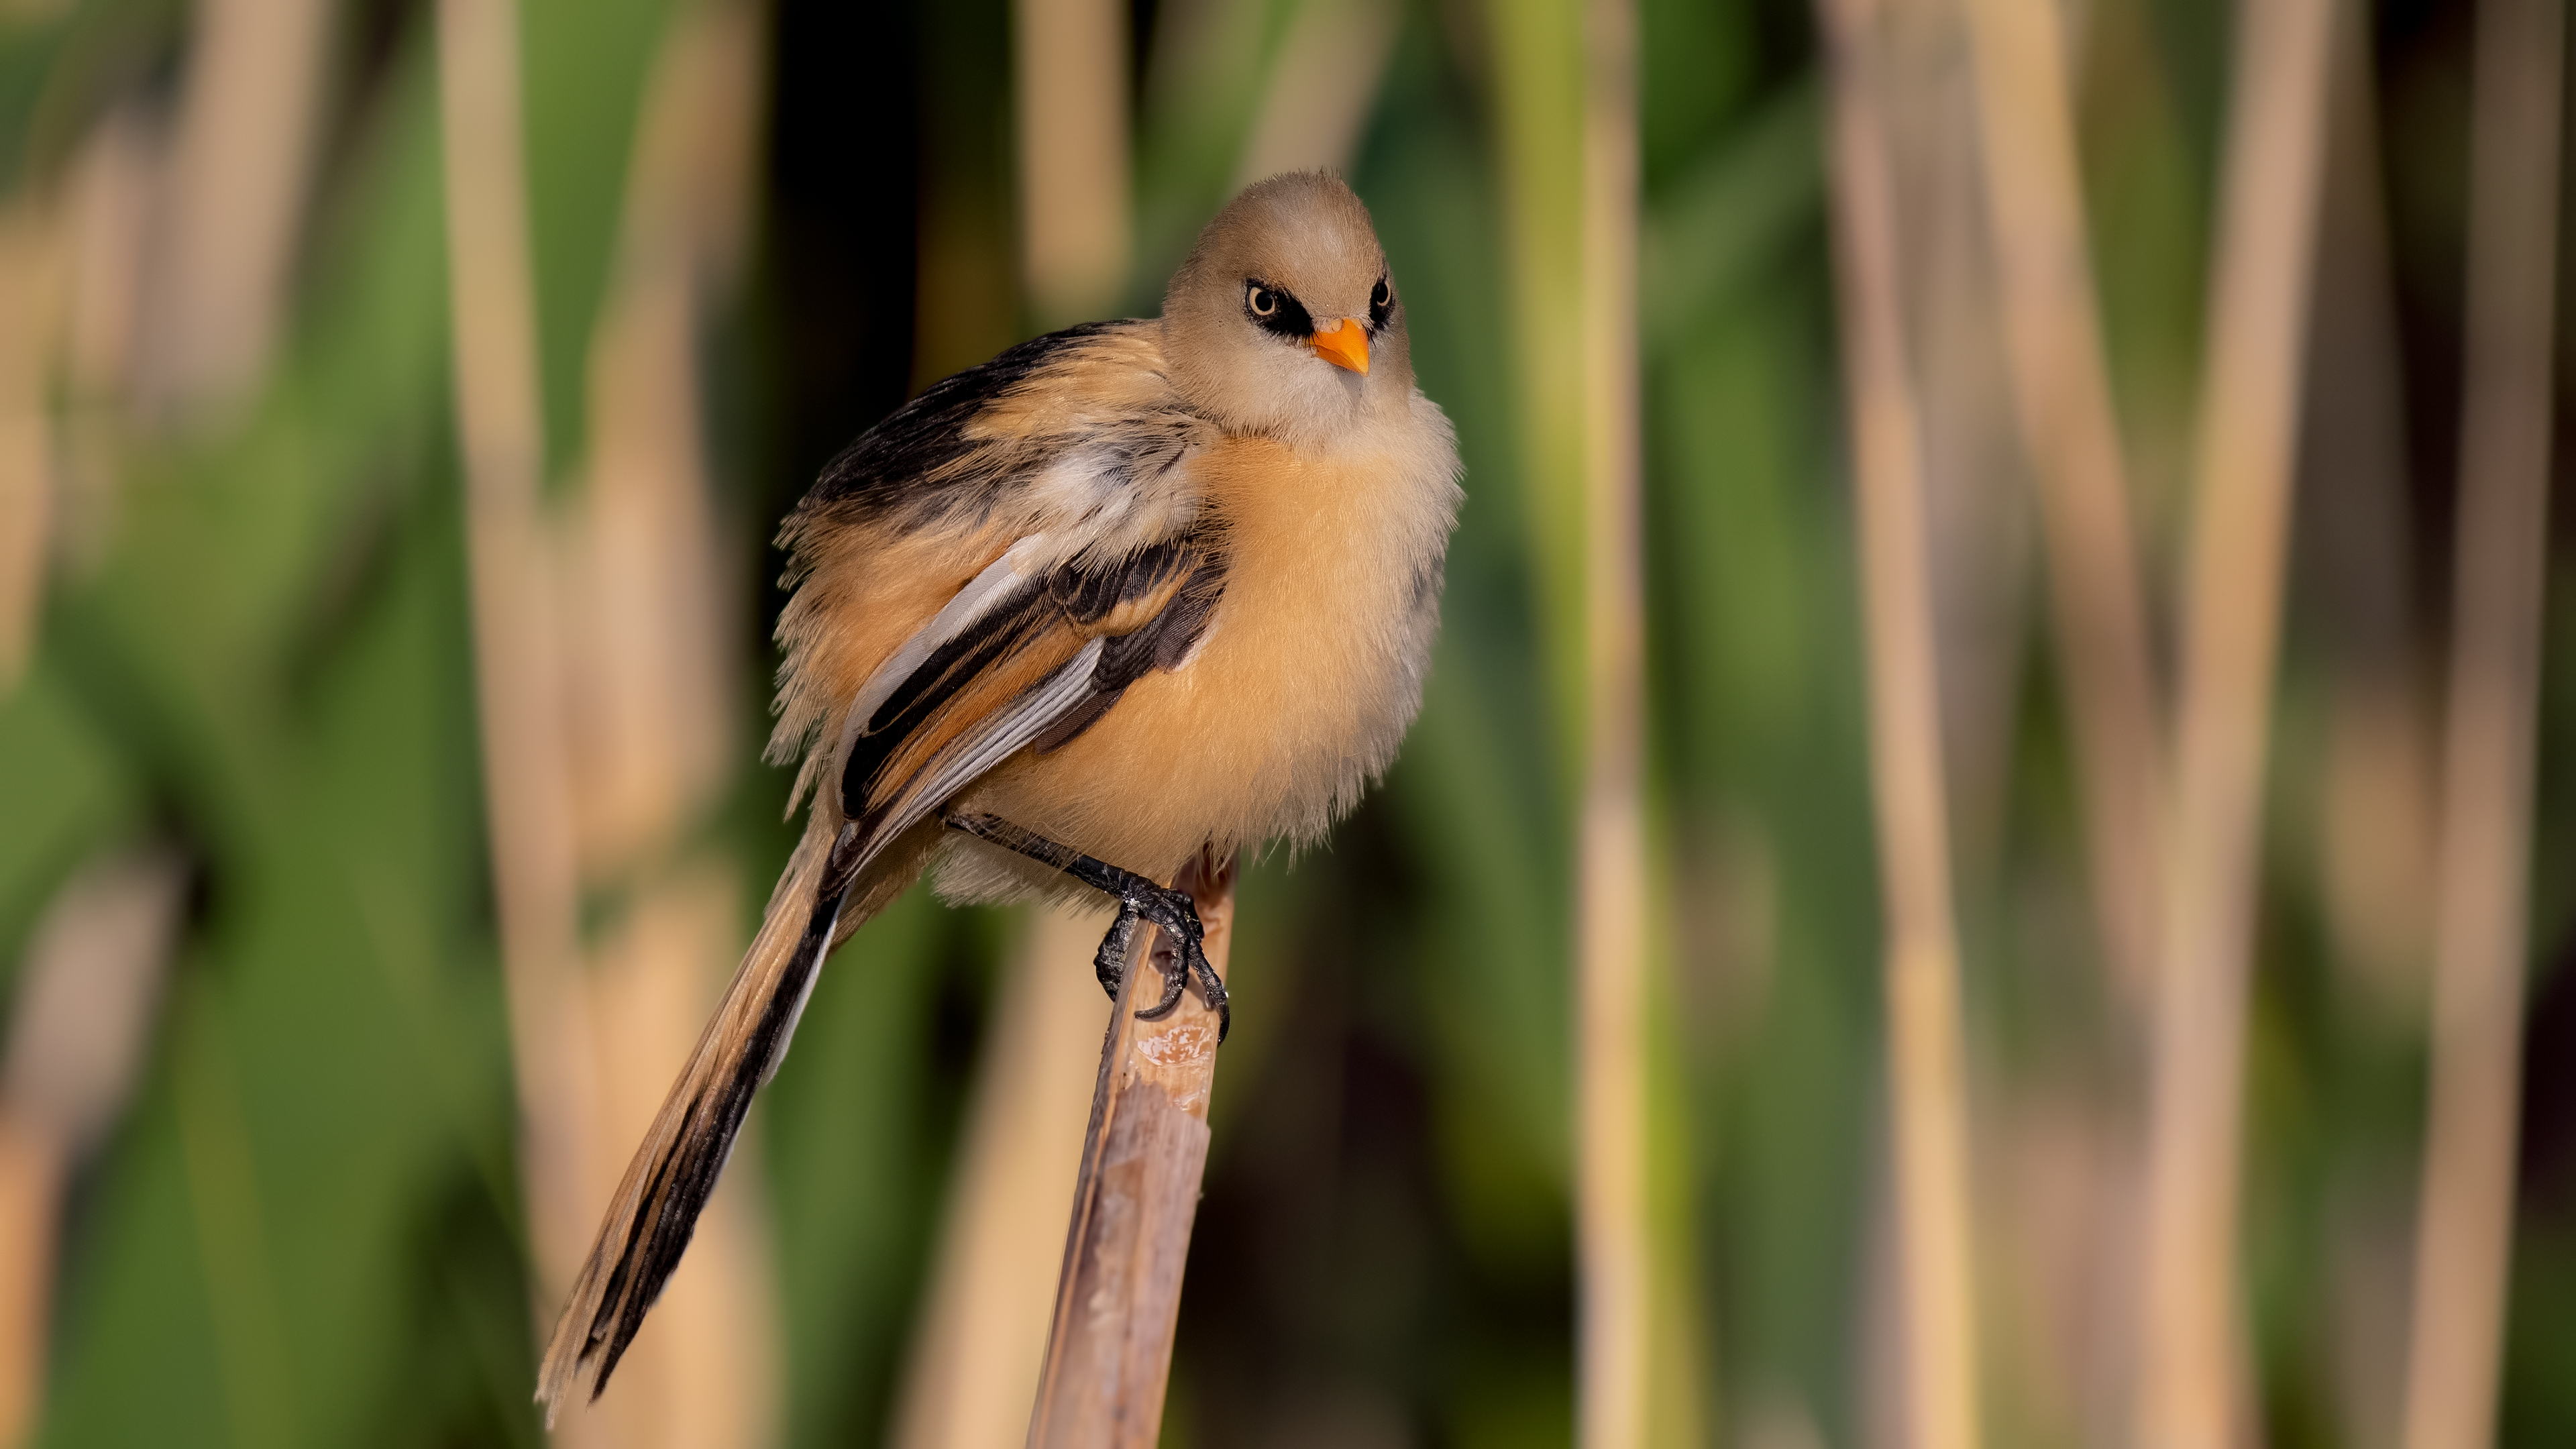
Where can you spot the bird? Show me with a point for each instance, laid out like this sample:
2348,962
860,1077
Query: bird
1128,595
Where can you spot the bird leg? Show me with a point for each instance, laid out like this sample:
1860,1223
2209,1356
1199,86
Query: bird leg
1138,899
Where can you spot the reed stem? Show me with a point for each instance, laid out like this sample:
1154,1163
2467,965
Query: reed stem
2062,401
2185,1389
1118,1299
1926,1094
1614,1237
528,791
2465,1227
1070,69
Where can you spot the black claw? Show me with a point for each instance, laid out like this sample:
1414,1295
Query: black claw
1216,998
1178,915
1138,899
1176,978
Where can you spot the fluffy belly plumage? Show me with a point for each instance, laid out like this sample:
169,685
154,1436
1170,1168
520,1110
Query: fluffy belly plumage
1298,695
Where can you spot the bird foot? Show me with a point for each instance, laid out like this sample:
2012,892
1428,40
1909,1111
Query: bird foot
1139,899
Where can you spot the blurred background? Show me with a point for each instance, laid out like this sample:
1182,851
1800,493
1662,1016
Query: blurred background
396,401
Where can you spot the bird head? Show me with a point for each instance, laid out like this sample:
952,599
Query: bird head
1285,318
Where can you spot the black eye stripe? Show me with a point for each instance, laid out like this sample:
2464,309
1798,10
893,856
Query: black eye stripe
1381,302
1286,317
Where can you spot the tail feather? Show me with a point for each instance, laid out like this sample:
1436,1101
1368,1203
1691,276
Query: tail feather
655,1210
880,849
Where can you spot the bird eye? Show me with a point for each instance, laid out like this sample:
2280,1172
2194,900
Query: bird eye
1381,302
1276,310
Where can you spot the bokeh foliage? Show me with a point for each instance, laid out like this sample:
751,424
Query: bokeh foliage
307,1229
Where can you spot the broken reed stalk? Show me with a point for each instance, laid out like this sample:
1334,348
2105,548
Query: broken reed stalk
1927,1104
1118,1298
1612,1233
527,784
2070,430
2465,1224
2187,1342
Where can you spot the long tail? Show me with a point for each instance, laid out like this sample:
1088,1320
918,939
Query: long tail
650,1220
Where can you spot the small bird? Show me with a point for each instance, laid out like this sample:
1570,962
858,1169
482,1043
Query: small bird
1127,594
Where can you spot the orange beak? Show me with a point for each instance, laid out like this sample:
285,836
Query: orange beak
1345,344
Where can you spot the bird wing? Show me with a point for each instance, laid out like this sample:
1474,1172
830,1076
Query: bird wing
1067,450
1143,610
1029,652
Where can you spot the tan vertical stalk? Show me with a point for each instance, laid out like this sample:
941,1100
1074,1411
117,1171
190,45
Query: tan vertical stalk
2465,1230
1926,1095
1070,59
1539,88
982,1333
79,1023
35,1166
1109,1348
1612,1232
107,198
1321,88
649,674
31,278
2062,396
2185,1390
239,164
109,185
527,789
1566,116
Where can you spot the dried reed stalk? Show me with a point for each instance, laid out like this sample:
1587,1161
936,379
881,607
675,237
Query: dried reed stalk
2248,422
1118,1298
1539,52
1613,1233
79,1025
1926,1093
518,678
1321,88
1075,231
981,1335
1565,116
2062,398
34,1170
223,265
649,669
31,277
2465,1228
